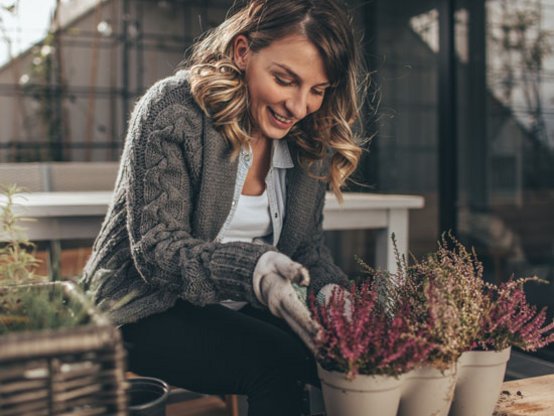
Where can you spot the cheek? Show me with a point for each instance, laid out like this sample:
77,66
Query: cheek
270,93
315,105
260,87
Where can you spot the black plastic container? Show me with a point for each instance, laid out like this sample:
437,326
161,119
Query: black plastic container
147,396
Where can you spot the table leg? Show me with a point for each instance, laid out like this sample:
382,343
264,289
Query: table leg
54,252
397,224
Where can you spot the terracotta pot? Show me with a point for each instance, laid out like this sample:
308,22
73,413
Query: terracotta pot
479,381
427,391
363,396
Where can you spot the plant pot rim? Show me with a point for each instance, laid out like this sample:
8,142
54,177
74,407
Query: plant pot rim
360,382
484,358
430,371
151,381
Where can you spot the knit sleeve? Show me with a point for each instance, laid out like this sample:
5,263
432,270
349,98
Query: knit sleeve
315,255
159,203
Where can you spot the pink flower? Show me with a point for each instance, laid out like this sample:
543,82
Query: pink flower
510,320
371,341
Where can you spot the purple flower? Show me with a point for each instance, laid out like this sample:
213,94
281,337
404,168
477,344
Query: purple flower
508,319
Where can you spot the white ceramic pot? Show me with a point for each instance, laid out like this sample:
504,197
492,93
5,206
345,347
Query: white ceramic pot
480,377
427,391
362,396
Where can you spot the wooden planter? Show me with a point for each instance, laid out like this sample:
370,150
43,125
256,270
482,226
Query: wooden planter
70,372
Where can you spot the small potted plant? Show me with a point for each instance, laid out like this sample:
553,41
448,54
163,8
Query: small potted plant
447,312
57,353
507,320
363,352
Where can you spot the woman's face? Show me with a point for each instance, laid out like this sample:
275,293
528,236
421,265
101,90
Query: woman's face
286,82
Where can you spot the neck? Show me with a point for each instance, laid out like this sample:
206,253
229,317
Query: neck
257,139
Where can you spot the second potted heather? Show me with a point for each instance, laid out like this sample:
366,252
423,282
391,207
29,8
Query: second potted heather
447,311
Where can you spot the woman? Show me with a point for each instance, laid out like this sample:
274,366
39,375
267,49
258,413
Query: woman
217,208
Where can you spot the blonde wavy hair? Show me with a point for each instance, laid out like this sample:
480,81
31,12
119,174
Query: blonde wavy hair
218,86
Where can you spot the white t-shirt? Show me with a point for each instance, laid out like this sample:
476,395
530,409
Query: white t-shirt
252,220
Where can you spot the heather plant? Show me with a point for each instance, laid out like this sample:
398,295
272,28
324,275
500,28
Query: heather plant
445,290
464,272
442,295
367,339
434,312
426,312
509,320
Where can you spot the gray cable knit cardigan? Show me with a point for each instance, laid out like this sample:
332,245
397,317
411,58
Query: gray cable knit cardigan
172,195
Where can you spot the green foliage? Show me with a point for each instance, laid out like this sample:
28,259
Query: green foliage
18,263
26,303
36,307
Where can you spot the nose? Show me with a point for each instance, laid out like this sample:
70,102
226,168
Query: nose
297,105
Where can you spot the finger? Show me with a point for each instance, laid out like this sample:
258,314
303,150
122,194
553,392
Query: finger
293,308
305,336
274,308
295,272
305,277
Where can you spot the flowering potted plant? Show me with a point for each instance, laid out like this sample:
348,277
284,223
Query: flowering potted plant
446,309
363,351
507,320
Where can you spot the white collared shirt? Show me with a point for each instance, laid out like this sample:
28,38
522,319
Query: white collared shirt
268,206
275,182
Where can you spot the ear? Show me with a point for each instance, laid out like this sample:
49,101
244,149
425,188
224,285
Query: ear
241,51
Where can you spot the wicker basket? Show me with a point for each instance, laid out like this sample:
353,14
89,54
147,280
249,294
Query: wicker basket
76,371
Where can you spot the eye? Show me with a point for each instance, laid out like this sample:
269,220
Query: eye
318,92
282,81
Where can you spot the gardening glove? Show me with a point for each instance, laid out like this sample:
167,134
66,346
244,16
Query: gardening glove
325,294
272,280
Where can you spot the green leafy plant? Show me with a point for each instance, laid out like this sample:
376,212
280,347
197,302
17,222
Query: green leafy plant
18,262
37,307
26,303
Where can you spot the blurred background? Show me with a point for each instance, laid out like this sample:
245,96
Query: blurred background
461,110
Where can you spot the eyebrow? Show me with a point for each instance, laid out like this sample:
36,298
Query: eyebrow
297,77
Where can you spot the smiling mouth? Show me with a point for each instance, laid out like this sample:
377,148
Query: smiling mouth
280,118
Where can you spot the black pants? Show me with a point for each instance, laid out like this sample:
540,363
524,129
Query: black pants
216,350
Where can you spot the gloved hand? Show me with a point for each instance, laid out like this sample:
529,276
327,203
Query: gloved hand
272,281
326,292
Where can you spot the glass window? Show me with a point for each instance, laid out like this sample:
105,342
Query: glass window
506,137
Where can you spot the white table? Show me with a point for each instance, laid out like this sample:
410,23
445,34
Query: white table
78,215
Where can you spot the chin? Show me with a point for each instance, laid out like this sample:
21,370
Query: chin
275,133
277,136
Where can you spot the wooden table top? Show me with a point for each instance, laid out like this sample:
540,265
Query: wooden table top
527,397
